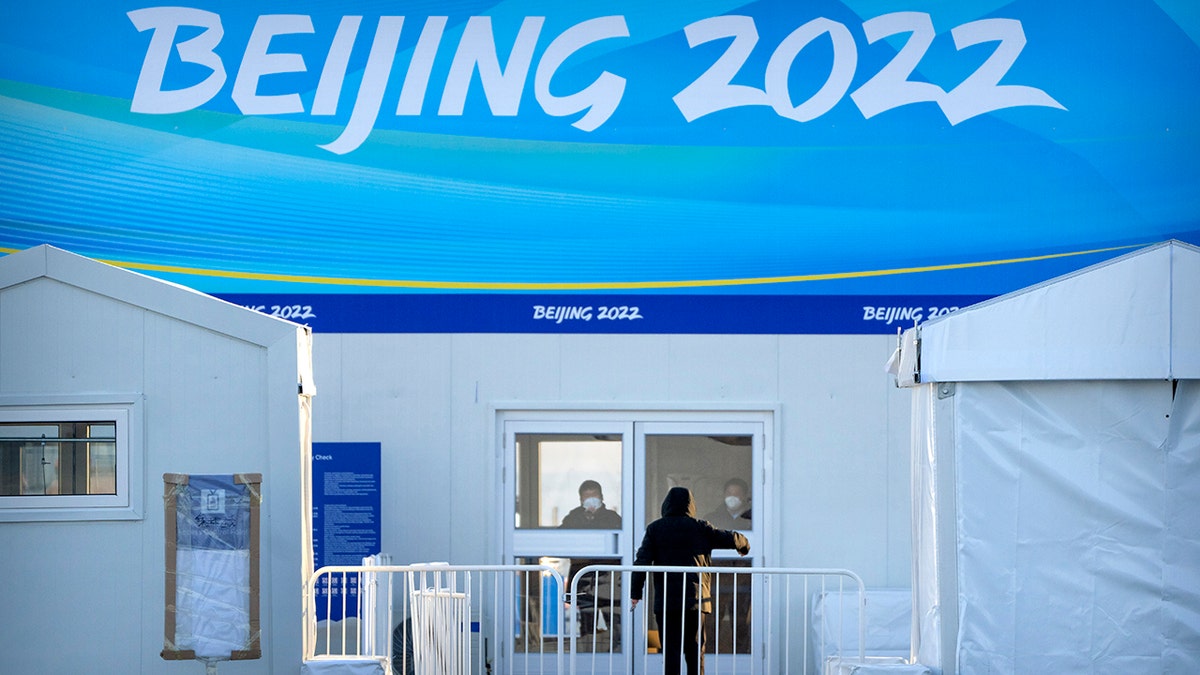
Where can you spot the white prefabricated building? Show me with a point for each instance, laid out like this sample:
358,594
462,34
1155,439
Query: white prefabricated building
1056,439
826,441
194,386
830,469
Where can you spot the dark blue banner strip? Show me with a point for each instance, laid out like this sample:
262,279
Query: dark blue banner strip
604,314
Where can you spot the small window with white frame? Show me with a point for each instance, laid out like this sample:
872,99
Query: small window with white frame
70,459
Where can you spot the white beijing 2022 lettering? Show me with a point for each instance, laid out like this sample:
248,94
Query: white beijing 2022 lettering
502,84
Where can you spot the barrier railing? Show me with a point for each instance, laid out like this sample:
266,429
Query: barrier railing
761,618
442,619
437,619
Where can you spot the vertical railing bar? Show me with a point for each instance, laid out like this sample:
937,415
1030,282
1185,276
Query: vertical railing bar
595,581
390,618
807,614
410,636
422,626
559,653
499,615
682,612
716,595
360,639
516,583
345,590
477,663
841,615
524,592
787,622
733,622
358,608
328,612
466,625
662,629
569,617
646,624
824,619
862,624
769,645
528,604
613,619
541,646
765,643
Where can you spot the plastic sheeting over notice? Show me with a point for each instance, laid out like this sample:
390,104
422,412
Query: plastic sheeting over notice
212,552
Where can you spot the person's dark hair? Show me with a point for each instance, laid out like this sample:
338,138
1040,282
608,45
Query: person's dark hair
738,482
590,484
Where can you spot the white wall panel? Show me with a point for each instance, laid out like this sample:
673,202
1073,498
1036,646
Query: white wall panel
47,604
486,369
88,343
724,367
329,379
615,367
835,464
207,395
396,390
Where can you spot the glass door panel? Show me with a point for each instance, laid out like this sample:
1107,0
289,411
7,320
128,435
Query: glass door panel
717,462
561,481
569,493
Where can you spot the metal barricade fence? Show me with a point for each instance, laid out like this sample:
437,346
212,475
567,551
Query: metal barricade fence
512,619
760,619
437,619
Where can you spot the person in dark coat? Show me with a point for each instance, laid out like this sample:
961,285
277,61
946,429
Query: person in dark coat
681,599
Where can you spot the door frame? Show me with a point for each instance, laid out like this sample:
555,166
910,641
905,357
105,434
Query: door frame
554,417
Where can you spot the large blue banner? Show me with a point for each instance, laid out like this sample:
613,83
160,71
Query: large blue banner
325,151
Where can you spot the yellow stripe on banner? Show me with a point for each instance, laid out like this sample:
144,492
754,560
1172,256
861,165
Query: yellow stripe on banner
585,286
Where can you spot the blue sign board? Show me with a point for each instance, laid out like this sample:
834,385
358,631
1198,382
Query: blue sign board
346,518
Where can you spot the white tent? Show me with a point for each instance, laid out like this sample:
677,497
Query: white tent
1056,474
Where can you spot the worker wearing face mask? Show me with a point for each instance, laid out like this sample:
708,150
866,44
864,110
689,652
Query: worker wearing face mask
591,512
734,513
595,591
731,613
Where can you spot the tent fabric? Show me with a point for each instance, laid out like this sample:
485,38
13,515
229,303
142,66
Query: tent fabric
1133,317
927,630
1056,473
1075,527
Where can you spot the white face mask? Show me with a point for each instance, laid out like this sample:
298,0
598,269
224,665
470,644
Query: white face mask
591,503
733,503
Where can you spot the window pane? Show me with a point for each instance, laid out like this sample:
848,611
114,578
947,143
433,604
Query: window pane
58,458
39,469
597,607
102,469
559,476
716,469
